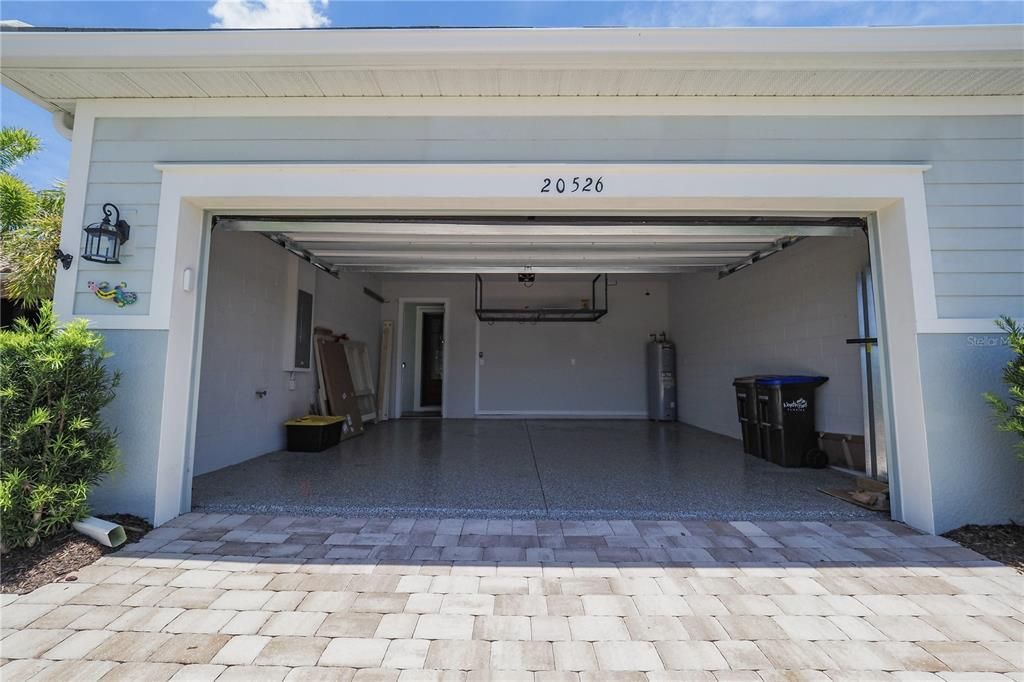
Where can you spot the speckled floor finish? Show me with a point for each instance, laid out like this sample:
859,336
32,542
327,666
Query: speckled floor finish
528,469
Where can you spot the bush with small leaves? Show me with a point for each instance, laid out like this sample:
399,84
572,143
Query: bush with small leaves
53,385
1009,411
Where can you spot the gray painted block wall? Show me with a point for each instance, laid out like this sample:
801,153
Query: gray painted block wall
405,368
976,476
788,314
531,363
571,367
140,357
461,340
243,343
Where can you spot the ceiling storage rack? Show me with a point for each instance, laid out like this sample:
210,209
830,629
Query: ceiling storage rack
597,308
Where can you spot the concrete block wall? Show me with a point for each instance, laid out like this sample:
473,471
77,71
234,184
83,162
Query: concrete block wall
528,368
243,342
788,314
571,368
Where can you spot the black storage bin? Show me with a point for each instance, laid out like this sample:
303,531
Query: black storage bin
785,418
313,433
746,410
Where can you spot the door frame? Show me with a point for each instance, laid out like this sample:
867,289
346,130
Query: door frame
442,304
418,358
891,194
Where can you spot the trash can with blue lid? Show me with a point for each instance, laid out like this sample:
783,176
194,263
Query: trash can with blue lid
785,417
746,410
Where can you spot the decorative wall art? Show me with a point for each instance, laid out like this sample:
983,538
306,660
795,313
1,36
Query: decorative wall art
118,294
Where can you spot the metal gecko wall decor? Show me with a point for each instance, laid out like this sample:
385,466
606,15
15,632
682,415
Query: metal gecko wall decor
118,294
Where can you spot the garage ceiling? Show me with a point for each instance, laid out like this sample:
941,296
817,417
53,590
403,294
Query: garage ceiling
551,244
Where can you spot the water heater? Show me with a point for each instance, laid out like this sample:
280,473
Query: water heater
661,381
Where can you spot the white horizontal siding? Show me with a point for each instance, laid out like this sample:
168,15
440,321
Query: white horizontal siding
653,128
88,304
977,238
977,284
974,189
567,149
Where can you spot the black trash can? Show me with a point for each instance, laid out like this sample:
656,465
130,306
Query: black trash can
746,410
785,417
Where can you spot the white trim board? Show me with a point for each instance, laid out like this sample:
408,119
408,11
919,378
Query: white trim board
998,105
895,193
575,46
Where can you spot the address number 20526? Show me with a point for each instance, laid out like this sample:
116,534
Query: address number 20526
572,185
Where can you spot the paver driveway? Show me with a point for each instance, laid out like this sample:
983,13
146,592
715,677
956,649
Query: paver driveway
235,597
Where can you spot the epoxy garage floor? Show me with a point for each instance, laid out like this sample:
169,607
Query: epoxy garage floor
528,469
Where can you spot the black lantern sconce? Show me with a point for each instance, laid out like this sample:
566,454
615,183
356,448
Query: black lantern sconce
103,240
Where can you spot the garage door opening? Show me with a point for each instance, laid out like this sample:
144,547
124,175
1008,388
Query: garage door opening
542,417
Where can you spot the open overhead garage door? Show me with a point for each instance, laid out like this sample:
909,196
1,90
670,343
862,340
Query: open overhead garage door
550,244
573,396
564,369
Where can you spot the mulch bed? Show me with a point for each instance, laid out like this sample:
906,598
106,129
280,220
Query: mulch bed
999,543
23,570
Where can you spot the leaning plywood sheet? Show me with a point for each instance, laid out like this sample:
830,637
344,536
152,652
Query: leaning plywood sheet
341,396
362,378
321,389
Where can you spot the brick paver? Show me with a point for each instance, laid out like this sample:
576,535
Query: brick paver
238,597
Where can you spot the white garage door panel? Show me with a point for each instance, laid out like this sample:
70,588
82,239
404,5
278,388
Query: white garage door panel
528,368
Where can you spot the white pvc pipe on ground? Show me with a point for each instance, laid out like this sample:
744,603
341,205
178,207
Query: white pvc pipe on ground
104,532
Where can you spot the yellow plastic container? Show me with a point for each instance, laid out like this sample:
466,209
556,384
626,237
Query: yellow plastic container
314,420
313,433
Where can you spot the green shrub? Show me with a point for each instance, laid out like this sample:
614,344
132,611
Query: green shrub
53,444
1010,412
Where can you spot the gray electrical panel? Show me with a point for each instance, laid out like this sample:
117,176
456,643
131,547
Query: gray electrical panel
661,381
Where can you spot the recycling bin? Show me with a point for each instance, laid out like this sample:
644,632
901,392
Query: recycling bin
785,417
746,410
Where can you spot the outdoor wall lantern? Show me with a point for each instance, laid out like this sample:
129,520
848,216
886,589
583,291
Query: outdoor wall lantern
103,240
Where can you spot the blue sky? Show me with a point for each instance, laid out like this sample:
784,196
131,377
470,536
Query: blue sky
51,164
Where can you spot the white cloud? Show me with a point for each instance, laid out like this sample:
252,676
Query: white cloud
269,14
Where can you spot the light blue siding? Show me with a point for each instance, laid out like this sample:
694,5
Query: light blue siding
975,189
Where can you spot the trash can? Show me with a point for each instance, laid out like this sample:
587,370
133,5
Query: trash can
313,433
785,417
746,410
